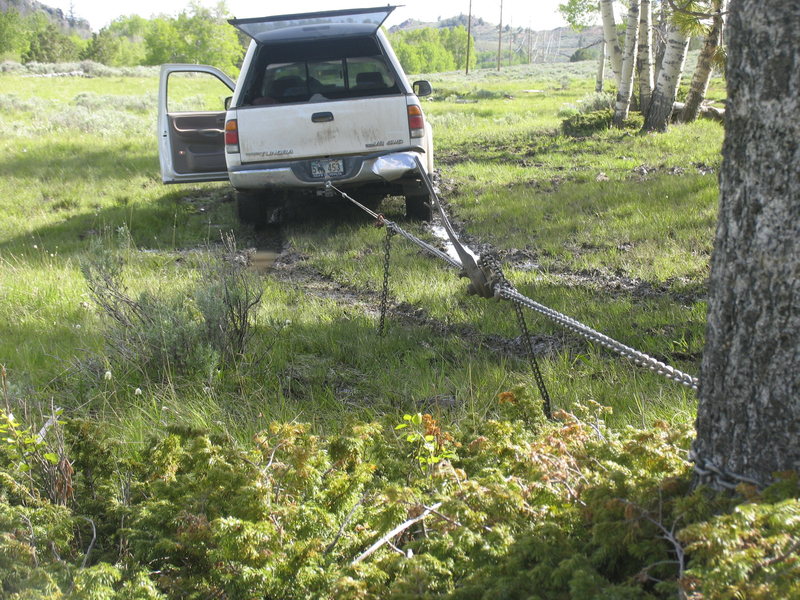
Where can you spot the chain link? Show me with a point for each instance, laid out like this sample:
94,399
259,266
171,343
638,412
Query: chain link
639,358
387,250
495,275
537,373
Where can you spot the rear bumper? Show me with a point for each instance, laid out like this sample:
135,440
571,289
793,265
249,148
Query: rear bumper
359,170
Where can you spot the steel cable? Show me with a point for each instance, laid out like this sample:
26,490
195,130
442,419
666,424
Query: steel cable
503,289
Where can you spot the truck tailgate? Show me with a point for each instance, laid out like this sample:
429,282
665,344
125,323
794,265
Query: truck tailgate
342,127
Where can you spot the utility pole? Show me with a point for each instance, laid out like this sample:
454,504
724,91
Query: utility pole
511,40
500,37
469,35
530,43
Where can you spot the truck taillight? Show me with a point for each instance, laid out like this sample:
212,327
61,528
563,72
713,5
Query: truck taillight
416,122
231,136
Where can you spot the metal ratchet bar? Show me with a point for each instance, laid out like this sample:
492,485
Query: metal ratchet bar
480,283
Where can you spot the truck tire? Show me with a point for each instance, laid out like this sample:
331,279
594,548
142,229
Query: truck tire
250,207
258,208
418,207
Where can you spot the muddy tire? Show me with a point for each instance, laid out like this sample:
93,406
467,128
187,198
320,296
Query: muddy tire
418,207
258,208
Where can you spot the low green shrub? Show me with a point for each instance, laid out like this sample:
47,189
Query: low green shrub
159,334
516,508
587,123
596,101
484,94
749,553
567,111
86,68
140,104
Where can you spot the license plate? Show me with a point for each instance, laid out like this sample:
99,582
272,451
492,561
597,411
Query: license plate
327,168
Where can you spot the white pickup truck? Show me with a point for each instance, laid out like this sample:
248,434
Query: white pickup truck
321,97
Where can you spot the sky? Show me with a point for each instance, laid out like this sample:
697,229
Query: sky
538,14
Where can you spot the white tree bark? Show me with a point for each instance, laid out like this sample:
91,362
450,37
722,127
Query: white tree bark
748,418
669,77
601,69
645,59
610,35
623,104
702,72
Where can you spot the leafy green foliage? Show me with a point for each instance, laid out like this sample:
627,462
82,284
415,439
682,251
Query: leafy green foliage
47,44
749,553
432,50
548,510
198,35
34,38
12,36
431,445
579,13
103,48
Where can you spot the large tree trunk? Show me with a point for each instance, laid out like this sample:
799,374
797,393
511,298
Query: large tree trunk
748,420
702,72
645,58
625,89
668,80
610,35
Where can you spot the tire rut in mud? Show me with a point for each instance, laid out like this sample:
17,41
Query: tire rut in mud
291,267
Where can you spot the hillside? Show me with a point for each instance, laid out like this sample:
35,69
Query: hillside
67,23
555,45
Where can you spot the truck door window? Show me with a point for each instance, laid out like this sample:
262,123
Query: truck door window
195,92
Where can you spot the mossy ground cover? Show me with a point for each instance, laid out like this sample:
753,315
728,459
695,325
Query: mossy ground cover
191,463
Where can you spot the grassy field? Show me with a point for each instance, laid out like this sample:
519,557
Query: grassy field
226,433
614,230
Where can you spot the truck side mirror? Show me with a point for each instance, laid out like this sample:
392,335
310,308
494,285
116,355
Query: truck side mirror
228,102
422,88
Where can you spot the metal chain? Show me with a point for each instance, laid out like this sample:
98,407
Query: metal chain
387,249
537,374
503,289
491,265
639,358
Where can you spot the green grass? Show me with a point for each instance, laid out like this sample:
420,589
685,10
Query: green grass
81,165
206,469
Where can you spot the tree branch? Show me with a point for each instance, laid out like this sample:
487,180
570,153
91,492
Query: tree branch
91,545
684,10
344,524
399,529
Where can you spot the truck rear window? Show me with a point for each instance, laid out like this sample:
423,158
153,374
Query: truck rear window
316,77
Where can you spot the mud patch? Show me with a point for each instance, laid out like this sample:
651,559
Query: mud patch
292,268
262,249
261,261
683,291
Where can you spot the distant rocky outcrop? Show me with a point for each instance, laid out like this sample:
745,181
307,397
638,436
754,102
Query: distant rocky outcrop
66,23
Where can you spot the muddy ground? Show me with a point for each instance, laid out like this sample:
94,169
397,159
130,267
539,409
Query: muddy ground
270,254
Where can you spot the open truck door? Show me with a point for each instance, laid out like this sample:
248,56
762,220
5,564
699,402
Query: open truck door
191,123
